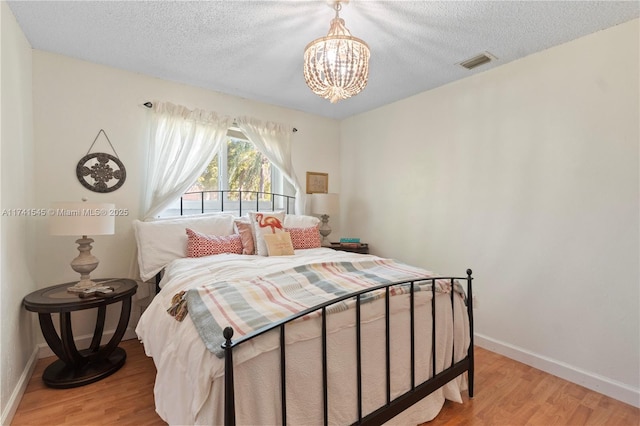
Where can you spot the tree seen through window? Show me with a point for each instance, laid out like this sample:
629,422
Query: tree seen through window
241,166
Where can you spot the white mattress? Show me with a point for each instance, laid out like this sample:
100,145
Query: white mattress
189,386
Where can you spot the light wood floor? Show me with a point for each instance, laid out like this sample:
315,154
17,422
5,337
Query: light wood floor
507,393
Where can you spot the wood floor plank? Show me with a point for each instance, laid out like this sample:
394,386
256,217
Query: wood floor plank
507,393
510,393
124,398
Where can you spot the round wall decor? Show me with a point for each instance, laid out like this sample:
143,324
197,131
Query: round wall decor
97,171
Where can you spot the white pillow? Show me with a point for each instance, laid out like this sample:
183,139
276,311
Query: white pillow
163,240
300,221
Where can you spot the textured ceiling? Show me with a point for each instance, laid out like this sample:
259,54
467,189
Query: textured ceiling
253,49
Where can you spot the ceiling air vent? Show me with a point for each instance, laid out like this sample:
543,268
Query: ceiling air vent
476,61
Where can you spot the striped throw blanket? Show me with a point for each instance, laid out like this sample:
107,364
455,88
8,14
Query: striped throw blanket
248,305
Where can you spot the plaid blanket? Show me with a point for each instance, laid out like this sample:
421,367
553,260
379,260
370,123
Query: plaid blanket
248,305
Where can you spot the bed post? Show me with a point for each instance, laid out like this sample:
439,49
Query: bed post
470,313
229,402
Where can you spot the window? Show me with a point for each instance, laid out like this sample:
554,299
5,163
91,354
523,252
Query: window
240,170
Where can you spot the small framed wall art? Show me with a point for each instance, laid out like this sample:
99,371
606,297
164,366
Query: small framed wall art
99,171
317,183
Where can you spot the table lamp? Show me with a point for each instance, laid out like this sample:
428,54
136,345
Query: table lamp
82,219
325,205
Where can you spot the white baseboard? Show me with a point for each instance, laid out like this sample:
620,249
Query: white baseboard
84,341
595,382
16,396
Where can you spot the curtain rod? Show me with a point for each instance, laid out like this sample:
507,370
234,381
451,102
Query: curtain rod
150,105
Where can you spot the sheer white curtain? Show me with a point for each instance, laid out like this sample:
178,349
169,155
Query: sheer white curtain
274,141
182,142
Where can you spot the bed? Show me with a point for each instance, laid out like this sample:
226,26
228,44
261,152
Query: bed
389,347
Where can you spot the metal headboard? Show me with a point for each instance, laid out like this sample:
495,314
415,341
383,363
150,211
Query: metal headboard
278,201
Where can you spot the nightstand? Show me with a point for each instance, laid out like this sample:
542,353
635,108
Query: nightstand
362,248
80,367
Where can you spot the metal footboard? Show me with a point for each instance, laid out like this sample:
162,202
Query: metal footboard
392,407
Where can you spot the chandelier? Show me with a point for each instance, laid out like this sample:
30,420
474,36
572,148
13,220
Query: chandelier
336,66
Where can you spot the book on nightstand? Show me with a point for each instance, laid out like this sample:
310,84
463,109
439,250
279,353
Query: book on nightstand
350,245
349,240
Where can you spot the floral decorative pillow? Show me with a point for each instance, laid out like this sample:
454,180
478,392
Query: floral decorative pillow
265,223
199,245
305,238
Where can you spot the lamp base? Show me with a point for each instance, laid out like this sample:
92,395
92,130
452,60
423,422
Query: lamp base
83,286
325,230
84,264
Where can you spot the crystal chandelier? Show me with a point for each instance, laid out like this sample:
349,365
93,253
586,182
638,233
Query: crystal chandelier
336,66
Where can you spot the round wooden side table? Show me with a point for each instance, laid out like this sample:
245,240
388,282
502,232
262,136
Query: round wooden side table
80,367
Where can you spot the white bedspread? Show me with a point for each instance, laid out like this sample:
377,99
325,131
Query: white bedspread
189,386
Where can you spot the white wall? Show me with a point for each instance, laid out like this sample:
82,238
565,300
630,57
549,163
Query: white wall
527,173
74,99
17,326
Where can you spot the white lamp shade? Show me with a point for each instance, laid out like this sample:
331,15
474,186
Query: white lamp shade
81,218
328,204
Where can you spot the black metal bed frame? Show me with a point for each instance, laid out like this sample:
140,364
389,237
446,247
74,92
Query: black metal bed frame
285,198
391,407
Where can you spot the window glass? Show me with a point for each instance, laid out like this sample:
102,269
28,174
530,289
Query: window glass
247,169
240,170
